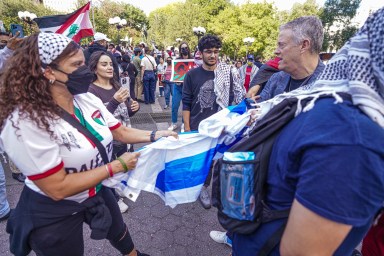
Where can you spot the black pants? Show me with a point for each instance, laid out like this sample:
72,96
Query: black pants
66,237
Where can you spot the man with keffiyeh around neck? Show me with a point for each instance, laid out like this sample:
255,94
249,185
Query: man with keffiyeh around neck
327,164
207,89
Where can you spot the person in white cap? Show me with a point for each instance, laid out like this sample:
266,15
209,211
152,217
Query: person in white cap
100,43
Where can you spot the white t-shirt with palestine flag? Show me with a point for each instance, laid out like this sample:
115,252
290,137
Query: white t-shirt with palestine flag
37,155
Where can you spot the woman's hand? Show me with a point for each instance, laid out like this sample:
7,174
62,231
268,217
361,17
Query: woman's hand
121,95
165,133
255,114
130,159
135,106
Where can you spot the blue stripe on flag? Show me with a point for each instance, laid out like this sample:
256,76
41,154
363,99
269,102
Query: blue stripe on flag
185,172
241,108
222,147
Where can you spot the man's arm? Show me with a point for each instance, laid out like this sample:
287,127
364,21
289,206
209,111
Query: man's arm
187,98
307,233
12,44
142,69
266,92
186,118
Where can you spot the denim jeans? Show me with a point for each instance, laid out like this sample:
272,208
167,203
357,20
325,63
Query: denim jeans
168,87
149,86
4,206
176,99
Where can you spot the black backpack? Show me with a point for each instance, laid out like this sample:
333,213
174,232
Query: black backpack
260,141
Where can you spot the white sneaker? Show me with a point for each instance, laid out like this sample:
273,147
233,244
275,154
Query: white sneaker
172,127
220,237
182,127
166,107
123,207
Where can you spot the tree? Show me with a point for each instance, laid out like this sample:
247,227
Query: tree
9,12
336,17
249,20
309,7
136,19
177,20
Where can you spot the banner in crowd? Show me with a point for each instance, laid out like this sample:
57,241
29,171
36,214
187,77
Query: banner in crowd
76,25
180,69
175,169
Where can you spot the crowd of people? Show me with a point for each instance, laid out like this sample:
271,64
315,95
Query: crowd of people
326,166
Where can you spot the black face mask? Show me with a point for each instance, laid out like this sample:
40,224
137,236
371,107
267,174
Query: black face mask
79,80
184,51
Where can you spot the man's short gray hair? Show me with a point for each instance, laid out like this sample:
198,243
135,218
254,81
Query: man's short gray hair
307,27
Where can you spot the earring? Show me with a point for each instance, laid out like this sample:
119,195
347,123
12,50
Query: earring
51,81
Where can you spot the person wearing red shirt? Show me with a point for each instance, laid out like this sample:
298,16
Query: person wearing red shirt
248,71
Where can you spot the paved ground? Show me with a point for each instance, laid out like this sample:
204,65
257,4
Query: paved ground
156,229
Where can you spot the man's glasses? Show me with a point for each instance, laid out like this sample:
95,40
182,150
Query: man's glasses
209,52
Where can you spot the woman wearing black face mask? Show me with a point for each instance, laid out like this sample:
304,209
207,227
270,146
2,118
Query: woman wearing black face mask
61,138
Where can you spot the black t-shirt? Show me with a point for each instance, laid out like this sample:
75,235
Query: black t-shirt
198,95
296,83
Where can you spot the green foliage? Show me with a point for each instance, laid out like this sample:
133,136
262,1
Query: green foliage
309,7
135,17
10,8
249,20
336,18
136,20
177,20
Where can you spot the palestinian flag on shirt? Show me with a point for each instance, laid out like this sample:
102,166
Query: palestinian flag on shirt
76,25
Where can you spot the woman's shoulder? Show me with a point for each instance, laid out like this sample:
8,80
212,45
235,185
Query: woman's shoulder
88,99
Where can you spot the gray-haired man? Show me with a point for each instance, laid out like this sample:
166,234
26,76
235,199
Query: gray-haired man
298,47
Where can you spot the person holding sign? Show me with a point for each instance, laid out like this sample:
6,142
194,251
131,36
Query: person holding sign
185,53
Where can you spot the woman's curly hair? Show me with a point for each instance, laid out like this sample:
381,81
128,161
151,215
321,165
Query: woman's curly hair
24,87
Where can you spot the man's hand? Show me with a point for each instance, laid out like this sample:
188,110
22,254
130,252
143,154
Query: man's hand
14,41
253,91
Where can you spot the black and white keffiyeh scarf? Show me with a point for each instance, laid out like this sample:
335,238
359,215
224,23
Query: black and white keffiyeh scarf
223,81
51,45
357,69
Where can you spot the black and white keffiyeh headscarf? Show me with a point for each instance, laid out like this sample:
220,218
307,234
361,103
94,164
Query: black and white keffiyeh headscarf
357,69
51,45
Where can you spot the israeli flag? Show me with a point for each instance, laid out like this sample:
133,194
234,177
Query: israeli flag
175,169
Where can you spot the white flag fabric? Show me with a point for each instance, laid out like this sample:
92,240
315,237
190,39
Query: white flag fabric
176,169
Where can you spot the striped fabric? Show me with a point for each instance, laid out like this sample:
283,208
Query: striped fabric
176,169
76,25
